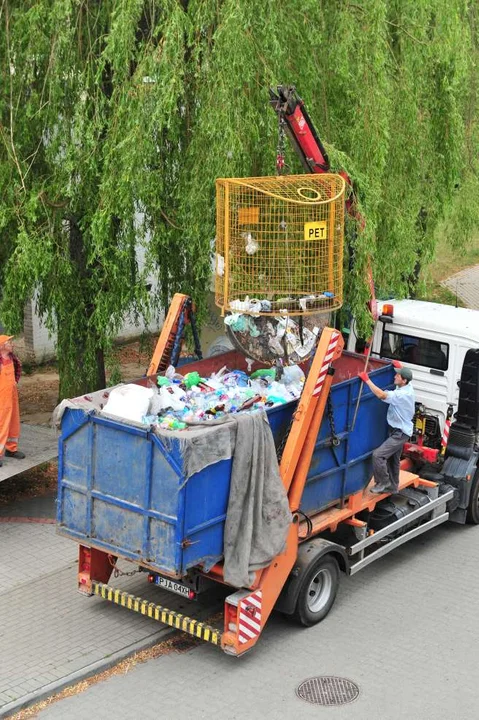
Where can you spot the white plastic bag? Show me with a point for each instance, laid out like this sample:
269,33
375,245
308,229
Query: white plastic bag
130,402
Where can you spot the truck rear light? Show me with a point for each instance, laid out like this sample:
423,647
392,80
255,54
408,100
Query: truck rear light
388,309
151,577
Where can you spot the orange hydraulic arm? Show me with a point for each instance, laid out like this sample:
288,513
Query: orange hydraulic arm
180,313
247,611
308,416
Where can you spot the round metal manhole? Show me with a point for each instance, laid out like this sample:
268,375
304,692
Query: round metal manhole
328,691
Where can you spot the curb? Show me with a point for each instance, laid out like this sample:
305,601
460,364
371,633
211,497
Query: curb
101,665
28,519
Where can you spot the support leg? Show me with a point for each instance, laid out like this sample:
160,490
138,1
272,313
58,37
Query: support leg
93,564
247,611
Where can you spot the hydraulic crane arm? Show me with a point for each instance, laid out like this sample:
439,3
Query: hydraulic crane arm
296,123
300,130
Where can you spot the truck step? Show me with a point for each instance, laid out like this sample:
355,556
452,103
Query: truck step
363,500
198,629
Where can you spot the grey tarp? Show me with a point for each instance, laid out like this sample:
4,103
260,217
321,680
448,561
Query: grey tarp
258,516
202,444
91,403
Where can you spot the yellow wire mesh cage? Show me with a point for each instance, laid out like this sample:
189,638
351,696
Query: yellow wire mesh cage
279,244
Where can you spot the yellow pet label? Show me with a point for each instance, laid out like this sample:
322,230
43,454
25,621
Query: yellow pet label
316,230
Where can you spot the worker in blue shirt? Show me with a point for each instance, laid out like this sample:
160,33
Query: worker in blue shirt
401,401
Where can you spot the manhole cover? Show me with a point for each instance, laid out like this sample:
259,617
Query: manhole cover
328,691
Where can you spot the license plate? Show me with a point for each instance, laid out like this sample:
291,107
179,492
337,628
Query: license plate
173,586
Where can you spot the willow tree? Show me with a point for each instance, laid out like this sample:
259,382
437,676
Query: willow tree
116,118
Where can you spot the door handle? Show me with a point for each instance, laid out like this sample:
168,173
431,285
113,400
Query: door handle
436,372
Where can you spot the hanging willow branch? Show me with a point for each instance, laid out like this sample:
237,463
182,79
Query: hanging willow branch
128,110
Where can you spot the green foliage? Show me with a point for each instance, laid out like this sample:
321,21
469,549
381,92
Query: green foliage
118,116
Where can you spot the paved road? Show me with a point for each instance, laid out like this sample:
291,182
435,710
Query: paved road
50,635
465,284
404,630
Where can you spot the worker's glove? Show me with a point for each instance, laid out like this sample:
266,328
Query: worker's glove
363,376
397,364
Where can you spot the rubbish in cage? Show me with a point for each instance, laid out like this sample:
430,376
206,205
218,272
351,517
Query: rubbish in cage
280,240
274,338
254,306
251,246
242,323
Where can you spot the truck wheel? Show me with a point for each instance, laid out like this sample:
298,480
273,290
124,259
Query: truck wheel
472,515
318,591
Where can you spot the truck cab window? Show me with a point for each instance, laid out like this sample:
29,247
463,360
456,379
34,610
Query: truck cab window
415,350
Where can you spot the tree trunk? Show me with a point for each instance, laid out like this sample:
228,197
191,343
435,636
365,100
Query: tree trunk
78,373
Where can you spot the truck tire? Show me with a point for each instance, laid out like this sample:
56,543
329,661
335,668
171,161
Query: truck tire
318,591
472,516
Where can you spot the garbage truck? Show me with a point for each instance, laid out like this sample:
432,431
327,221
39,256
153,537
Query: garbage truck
141,494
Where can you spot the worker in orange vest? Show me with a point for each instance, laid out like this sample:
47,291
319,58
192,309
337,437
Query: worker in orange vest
10,371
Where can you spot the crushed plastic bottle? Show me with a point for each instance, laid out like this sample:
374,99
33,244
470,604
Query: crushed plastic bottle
170,422
268,372
236,378
292,374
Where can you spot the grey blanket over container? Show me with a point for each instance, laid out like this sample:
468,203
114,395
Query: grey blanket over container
258,516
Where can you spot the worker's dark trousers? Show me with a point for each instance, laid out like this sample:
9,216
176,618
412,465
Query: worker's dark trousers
386,459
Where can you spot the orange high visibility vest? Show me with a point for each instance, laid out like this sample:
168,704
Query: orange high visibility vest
9,408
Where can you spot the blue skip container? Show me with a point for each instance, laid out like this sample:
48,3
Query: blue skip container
125,489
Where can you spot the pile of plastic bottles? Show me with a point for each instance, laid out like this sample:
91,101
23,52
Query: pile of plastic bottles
191,399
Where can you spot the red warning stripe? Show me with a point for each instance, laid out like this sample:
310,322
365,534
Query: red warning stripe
249,617
326,363
445,433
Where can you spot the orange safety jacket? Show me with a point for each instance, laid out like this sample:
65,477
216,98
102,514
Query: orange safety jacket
9,408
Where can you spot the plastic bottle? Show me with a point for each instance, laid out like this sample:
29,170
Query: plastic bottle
292,374
267,372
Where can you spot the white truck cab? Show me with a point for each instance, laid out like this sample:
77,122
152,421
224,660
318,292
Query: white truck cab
432,340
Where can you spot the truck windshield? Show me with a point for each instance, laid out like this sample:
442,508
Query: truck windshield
415,350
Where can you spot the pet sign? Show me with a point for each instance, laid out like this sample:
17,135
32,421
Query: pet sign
316,230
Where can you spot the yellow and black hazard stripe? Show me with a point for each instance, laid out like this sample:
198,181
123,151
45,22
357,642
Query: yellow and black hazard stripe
158,612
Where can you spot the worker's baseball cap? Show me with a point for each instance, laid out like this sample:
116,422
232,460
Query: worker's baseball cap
5,338
404,372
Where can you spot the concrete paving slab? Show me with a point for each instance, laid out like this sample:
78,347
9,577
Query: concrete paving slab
403,630
39,443
465,284
49,633
31,552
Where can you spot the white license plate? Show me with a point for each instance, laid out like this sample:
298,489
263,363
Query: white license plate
173,586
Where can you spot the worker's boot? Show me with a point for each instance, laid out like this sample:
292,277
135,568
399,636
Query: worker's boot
390,489
18,455
379,489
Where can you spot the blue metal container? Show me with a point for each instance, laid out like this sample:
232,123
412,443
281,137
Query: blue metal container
122,489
